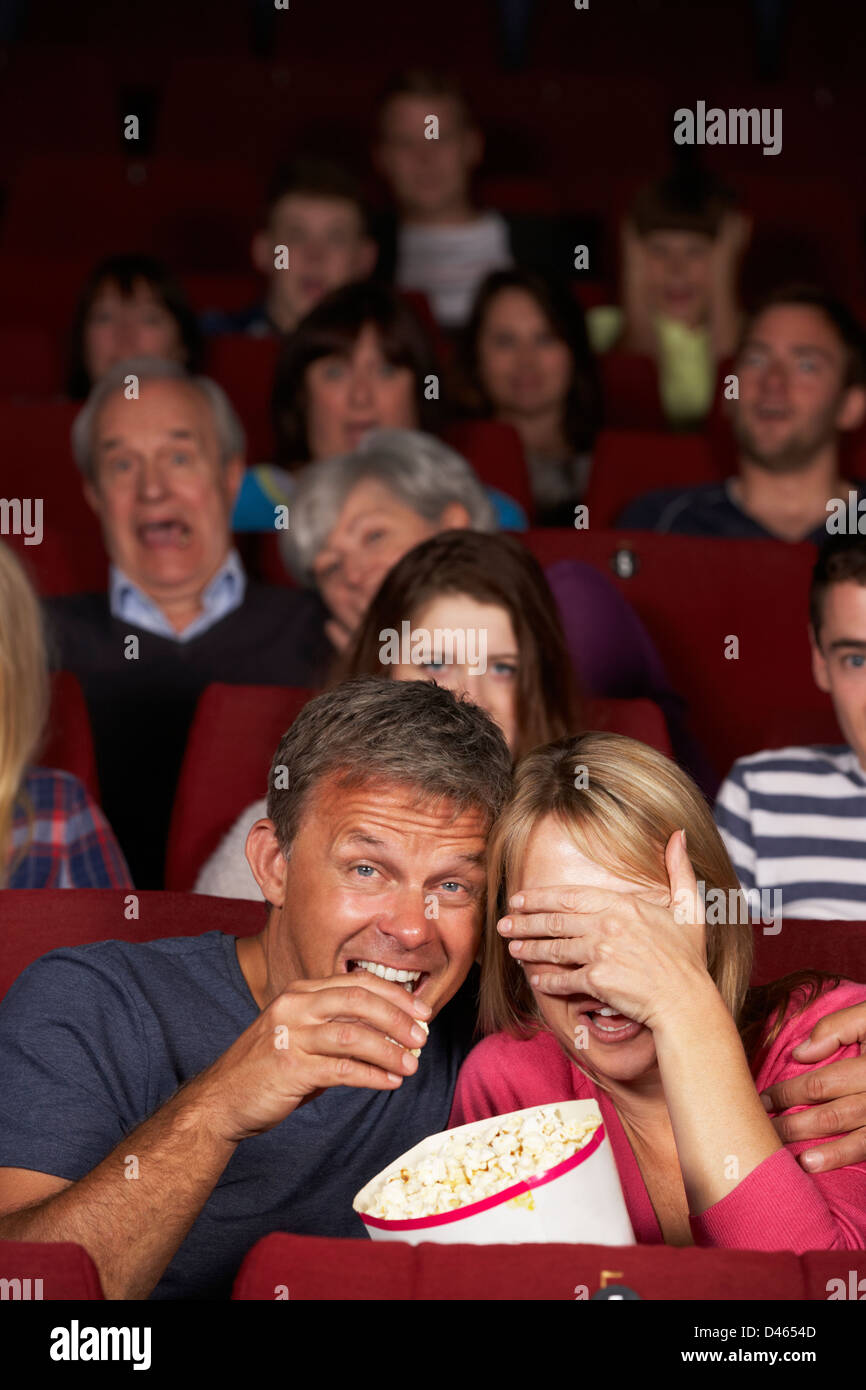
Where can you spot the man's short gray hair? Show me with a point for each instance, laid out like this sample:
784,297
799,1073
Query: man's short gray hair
415,734
420,470
229,430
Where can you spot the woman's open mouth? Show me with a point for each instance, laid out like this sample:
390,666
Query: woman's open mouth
606,1025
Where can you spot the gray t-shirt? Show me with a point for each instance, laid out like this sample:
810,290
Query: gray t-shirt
93,1040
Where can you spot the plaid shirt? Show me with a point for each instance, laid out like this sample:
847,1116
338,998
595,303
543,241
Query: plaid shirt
60,838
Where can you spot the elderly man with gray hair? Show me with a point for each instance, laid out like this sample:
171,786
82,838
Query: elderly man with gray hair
353,517
162,459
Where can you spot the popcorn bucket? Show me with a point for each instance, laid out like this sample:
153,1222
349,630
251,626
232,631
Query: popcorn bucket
577,1201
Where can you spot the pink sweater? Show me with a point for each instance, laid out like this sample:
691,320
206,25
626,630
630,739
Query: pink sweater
779,1206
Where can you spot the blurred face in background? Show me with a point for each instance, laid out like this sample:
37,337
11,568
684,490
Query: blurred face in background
161,491
792,397
839,660
678,268
136,325
429,178
347,395
477,628
524,367
374,529
328,248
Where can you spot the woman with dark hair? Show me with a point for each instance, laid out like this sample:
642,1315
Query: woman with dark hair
506,648
130,306
525,359
359,361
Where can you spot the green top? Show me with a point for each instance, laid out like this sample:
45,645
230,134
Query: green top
687,371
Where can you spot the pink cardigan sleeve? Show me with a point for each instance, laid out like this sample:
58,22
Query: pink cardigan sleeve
483,1088
780,1206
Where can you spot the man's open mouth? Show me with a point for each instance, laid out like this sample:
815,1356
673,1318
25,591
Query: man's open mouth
411,980
160,534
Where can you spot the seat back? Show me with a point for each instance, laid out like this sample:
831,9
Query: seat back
244,367
630,392
641,719
50,1272
231,742
232,739
37,920
69,741
628,463
496,454
306,1268
729,619
837,947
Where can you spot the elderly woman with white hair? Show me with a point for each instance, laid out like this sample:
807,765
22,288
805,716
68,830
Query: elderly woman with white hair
353,517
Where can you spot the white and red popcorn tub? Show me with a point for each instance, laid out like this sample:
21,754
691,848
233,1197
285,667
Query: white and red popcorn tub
578,1201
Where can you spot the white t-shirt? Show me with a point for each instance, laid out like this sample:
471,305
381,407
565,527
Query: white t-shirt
449,263
227,873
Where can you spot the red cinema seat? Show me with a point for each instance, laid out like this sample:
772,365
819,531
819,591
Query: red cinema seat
69,742
29,361
190,212
50,1272
640,719
37,457
222,291
630,391
71,561
244,368
233,737
695,596
41,290
628,463
496,454
266,560
37,920
837,947
304,1268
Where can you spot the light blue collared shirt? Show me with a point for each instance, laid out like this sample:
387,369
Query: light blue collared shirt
223,595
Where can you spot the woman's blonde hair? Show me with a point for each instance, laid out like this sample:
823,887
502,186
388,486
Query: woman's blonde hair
620,801
24,689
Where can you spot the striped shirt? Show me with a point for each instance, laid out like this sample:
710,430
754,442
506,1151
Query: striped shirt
794,819
60,838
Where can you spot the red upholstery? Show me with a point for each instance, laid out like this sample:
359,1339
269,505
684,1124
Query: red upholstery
244,367
244,724
628,463
36,920
38,463
222,291
29,361
193,213
640,719
232,739
68,561
630,392
838,947
42,290
693,594
64,1271
496,454
69,741
309,1268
